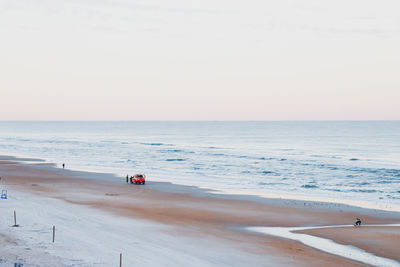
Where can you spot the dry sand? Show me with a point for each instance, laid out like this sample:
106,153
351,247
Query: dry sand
198,214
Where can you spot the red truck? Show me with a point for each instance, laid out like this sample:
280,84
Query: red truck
138,179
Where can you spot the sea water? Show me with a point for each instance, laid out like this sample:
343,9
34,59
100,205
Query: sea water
355,161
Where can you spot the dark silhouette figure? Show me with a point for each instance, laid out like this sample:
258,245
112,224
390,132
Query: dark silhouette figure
127,178
63,165
358,222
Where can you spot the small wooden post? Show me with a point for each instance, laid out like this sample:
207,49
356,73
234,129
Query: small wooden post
54,232
120,259
15,219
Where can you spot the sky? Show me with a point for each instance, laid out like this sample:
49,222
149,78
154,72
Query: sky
199,60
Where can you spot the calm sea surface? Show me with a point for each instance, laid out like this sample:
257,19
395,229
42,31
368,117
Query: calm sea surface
355,161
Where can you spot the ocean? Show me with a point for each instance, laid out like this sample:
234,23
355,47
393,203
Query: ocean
339,161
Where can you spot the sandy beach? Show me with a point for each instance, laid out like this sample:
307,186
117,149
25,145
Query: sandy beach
263,133
100,216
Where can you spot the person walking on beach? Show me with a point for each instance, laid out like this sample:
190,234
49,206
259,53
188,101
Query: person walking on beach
127,178
63,165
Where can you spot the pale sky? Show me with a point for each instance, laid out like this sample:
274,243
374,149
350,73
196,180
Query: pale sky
199,60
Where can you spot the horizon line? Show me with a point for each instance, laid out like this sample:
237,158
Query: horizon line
288,120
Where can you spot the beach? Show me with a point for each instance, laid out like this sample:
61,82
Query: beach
99,216
263,133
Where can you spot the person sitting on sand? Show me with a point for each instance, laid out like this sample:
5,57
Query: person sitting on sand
358,222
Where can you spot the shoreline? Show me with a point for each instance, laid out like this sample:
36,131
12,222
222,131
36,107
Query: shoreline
284,196
194,212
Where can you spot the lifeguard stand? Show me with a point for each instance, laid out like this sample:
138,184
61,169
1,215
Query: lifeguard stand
3,194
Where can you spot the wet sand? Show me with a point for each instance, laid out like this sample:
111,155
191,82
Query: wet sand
381,241
198,214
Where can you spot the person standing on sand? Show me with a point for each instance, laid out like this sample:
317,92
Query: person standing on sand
63,165
127,178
